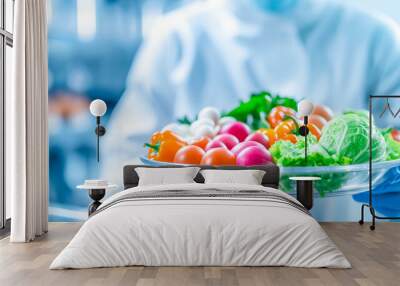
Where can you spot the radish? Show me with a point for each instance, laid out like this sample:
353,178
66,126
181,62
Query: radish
253,156
226,120
229,140
243,145
260,138
237,129
215,144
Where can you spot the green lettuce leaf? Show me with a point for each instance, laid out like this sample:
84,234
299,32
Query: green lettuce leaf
288,154
254,110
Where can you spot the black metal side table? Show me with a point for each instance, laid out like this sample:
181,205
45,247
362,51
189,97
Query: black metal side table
96,193
304,190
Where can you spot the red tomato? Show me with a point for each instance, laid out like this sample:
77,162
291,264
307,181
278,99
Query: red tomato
396,134
189,155
218,157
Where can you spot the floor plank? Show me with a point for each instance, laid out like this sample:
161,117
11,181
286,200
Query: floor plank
375,257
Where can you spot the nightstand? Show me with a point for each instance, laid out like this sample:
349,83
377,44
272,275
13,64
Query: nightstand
96,193
304,190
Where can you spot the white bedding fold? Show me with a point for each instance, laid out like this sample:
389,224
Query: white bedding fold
181,231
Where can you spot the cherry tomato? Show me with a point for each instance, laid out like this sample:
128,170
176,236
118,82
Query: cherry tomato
202,142
218,157
190,154
396,134
278,113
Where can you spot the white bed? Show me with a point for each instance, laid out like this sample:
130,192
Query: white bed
247,226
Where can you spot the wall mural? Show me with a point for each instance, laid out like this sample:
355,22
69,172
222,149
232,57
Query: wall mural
211,82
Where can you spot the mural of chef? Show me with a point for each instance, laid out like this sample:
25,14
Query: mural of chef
217,52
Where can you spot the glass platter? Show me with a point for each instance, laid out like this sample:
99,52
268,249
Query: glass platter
335,180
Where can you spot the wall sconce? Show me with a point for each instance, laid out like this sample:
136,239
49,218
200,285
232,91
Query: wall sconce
305,108
98,108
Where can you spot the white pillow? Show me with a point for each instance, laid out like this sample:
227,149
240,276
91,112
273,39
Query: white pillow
248,177
166,176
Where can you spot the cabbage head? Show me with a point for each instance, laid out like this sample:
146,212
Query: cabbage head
347,135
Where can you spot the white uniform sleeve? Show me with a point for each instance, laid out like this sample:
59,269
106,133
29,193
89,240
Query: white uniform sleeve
385,68
146,105
384,73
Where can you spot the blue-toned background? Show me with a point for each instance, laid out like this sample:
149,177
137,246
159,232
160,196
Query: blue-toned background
92,46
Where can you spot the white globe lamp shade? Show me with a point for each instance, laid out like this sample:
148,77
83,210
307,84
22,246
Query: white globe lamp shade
305,108
98,107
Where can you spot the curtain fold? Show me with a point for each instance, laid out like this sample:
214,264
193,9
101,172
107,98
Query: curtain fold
28,142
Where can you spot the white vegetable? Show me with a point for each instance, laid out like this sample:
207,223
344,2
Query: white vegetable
182,130
204,131
185,128
174,127
226,120
201,122
210,113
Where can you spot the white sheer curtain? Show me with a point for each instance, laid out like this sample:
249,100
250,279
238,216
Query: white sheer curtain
27,140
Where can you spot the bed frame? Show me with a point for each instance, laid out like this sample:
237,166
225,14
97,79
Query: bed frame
270,179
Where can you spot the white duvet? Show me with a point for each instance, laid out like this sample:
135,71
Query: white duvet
200,231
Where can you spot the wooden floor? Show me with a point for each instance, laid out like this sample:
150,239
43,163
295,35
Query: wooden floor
375,257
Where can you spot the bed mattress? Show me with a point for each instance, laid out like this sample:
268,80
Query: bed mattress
201,225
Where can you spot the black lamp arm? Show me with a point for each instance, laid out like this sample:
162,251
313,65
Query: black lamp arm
303,130
100,131
305,120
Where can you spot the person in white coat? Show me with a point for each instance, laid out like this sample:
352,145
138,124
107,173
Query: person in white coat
217,52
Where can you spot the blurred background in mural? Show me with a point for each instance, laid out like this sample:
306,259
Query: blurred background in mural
92,46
